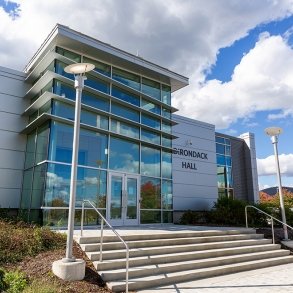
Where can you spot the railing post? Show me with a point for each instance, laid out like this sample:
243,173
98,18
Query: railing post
273,232
82,219
127,268
101,240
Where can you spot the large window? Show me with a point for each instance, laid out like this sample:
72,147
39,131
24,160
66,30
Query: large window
124,129
130,79
151,88
100,67
166,94
97,84
124,155
125,96
150,193
150,161
125,112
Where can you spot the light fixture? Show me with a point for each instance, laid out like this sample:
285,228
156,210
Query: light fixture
79,68
274,132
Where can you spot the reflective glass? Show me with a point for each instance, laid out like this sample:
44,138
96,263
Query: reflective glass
151,88
92,146
167,217
166,165
94,119
220,139
46,108
150,192
131,198
151,107
220,149
125,112
97,84
221,160
128,78
124,129
68,54
228,161
64,90
166,113
38,186
228,150
59,69
150,121
166,94
63,110
30,150
95,101
150,136
100,67
150,161
125,96
166,142
124,155
167,195
149,216
42,143
33,116
116,197
222,176
227,141
166,127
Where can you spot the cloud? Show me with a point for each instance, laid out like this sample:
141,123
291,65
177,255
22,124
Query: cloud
263,81
267,166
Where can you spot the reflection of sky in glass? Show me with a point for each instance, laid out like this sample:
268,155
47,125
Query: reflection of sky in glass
150,161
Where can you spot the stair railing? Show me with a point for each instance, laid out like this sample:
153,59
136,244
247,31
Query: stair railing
103,220
270,216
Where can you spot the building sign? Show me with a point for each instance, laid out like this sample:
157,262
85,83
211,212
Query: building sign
192,154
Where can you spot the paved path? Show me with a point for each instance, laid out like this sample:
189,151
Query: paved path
268,280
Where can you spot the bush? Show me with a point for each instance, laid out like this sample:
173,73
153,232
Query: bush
16,282
3,285
18,240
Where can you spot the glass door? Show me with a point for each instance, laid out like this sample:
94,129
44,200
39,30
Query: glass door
123,199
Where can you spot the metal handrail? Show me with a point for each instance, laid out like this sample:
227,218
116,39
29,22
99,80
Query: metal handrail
102,236
272,220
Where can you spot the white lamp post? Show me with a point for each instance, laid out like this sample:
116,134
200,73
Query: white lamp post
69,268
274,133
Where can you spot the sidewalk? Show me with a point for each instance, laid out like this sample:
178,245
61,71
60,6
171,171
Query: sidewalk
268,280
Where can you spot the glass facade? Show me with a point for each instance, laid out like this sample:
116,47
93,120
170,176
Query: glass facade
224,166
125,128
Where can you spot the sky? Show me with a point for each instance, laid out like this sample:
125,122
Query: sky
238,56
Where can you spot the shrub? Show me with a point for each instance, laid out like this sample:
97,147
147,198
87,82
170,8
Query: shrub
3,285
16,282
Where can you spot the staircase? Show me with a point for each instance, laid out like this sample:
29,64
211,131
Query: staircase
173,257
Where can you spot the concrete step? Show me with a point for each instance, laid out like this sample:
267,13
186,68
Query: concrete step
183,256
151,270
165,242
154,281
160,236
116,254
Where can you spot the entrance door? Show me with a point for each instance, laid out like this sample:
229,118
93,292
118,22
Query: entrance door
123,199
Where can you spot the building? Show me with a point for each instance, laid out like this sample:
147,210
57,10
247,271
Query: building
128,134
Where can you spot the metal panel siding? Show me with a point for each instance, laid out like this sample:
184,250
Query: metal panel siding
10,179
10,198
194,185
11,159
12,141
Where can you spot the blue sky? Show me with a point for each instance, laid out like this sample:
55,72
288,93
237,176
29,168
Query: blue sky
238,56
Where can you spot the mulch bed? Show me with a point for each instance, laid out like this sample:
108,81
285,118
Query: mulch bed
40,268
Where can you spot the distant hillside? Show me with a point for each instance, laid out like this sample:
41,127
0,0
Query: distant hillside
274,190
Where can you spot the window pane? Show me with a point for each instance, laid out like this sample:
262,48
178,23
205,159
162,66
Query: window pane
150,193
222,177
227,141
150,161
124,155
166,165
64,90
42,143
150,217
150,136
95,101
166,113
97,84
30,150
68,54
228,161
150,121
26,189
220,139
167,217
151,88
166,142
59,69
99,66
166,94
38,186
221,160
130,79
151,107
124,129
228,150
166,127
125,112
125,96
220,149
63,110
167,195
94,119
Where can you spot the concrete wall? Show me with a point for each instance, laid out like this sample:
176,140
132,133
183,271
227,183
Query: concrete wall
194,165
12,144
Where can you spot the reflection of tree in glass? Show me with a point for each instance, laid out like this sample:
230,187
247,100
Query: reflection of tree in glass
58,202
150,195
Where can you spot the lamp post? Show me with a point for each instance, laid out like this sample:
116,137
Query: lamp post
69,268
274,133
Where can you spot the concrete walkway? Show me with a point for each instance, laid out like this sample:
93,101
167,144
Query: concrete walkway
268,280
271,279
